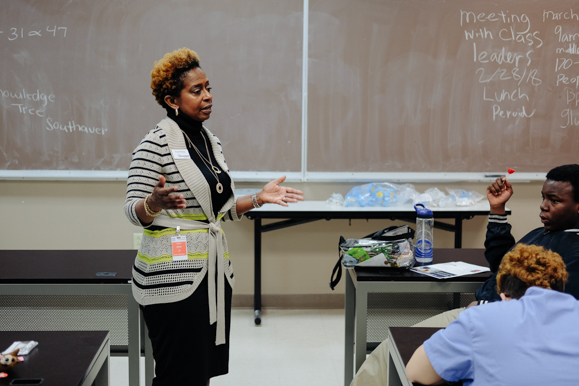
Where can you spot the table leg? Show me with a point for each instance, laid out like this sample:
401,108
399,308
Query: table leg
134,347
350,303
103,376
456,300
393,376
257,270
361,327
458,231
457,244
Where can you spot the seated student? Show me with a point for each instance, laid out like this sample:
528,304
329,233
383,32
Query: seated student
559,213
529,341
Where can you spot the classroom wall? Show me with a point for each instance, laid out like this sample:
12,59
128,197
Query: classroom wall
296,260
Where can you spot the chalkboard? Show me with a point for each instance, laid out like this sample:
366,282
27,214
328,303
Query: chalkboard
442,86
390,86
74,85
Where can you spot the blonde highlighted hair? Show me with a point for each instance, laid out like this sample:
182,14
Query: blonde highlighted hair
168,73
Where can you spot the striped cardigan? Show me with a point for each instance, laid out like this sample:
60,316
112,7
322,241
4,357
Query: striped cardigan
156,277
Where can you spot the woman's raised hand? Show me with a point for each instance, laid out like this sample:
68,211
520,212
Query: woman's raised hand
275,194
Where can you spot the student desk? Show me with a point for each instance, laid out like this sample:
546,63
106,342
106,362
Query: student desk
62,358
361,281
307,211
87,272
403,341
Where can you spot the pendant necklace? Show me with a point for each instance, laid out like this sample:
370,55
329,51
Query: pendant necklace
208,163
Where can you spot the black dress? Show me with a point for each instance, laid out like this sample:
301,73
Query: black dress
183,340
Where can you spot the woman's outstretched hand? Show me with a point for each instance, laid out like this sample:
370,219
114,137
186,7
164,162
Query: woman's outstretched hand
161,198
275,194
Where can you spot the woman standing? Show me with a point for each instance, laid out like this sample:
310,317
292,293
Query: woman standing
179,189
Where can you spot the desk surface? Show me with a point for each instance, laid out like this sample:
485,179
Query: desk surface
408,339
309,207
65,266
62,358
441,255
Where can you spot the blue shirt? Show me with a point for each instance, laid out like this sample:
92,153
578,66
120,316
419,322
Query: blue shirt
531,341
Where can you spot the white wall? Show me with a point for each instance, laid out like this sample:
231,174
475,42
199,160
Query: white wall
296,260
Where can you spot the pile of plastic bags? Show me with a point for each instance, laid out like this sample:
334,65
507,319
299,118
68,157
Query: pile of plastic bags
388,194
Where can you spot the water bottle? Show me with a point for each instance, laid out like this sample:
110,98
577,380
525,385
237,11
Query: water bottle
424,232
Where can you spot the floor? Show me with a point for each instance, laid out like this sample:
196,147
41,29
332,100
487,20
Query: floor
291,347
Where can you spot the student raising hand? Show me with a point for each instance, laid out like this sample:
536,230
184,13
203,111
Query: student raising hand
498,193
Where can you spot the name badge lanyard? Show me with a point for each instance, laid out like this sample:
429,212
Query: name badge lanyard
179,245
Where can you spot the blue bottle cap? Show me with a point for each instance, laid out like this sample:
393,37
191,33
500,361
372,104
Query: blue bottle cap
422,211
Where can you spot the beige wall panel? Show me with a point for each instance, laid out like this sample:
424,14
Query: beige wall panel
296,260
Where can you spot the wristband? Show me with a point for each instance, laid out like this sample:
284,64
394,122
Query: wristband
498,218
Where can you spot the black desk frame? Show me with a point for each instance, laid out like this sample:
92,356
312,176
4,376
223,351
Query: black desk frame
302,217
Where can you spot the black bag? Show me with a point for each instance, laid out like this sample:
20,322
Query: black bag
393,243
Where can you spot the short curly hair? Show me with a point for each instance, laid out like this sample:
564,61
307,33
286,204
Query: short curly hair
169,73
530,265
567,173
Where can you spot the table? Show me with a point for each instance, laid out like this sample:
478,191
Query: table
403,341
308,211
80,272
62,358
361,281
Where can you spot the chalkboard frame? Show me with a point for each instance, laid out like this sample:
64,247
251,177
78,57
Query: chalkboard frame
91,175
302,176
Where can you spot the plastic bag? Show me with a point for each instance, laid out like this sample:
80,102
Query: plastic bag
407,194
381,194
465,197
359,195
336,199
377,253
389,247
436,194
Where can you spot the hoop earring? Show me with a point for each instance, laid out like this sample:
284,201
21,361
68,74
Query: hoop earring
176,112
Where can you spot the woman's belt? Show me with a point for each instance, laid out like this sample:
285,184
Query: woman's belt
216,306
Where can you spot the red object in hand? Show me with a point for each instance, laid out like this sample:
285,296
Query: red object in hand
3,375
511,171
